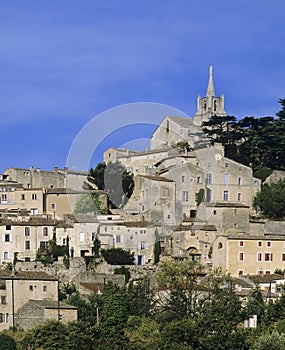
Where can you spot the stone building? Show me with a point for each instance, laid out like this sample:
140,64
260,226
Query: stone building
35,312
37,178
18,287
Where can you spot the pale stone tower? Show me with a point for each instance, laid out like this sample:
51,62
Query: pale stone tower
209,105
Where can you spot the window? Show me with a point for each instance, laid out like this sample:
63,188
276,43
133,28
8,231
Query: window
182,178
241,243
240,272
23,197
268,244
239,197
27,245
185,197
8,227
45,231
31,288
64,241
215,212
143,245
226,196
226,165
6,238
81,237
239,181
52,206
118,238
6,255
45,288
267,272
34,211
208,179
283,257
198,179
3,318
27,231
3,299
143,232
93,236
226,179
259,256
168,216
43,245
34,196
268,257
241,256
105,229
259,243
131,237
3,198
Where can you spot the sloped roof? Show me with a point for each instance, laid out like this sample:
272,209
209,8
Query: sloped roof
27,275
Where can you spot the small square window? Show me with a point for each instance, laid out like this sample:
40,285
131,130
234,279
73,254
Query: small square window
259,243
268,244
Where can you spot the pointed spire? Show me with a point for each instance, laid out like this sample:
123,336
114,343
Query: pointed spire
211,90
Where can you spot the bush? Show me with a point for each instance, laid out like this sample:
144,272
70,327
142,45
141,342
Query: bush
118,256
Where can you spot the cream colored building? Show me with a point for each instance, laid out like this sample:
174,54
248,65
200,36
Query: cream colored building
249,255
18,288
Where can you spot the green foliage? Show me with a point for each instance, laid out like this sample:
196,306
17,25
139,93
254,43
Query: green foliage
270,201
262,173
118,256
88,203
200,196
114,179
255,304
267,341
96,246
7,342
140,297
183,146
181,280
258,142
157,247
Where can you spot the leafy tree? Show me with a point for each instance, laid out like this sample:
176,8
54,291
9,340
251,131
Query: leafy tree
113,315
255,304
51,335
85,309
88,203
118,256
144,334
114,179
180,279
270,201
183,146
218,320
96,246
95,177
157,247
7,342
140,297
267,341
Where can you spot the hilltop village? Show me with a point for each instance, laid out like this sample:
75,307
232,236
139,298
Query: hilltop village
192,200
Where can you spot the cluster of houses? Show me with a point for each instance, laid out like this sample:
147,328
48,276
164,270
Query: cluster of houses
188,196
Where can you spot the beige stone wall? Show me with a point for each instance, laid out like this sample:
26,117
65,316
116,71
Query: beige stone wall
241,255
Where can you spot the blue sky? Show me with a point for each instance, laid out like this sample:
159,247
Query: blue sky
63,62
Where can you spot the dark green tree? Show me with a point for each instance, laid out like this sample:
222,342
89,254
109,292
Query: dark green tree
88,203
157,247
255,304
7,342
118,256
270,201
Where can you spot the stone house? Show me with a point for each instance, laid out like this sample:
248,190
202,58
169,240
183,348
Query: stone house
35,312
18,287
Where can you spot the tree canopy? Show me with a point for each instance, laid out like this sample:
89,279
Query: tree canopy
257,142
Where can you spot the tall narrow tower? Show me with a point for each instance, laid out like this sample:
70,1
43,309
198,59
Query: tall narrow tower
209,105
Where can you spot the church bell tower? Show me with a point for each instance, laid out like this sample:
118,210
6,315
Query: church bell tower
209,105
